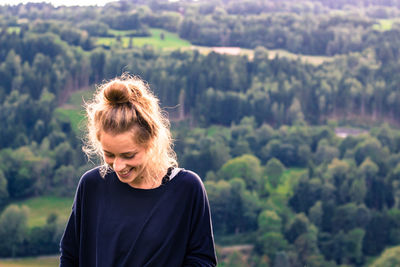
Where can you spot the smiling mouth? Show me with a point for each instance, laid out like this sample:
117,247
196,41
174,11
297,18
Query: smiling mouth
126,173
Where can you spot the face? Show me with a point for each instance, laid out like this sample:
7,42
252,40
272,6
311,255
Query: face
125,157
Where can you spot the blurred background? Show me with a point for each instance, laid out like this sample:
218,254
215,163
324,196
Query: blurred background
288,110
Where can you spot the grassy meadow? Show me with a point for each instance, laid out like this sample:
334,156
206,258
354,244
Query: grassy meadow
41,207
73,109
159,39
384,24
15,29
50,261
172,41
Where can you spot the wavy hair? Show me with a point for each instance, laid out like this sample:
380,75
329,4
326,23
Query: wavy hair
125,104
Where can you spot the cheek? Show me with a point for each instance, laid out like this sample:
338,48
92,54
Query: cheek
140,160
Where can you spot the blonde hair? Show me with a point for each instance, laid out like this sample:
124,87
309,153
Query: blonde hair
127,104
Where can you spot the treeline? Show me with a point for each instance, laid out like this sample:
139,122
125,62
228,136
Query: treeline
340,211
306,27
19,240
240,122
38,70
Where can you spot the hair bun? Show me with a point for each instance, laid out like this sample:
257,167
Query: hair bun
117,93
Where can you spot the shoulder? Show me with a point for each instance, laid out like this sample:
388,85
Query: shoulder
190,177
191,180
91,178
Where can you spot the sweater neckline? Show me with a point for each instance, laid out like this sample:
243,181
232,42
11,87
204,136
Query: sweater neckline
160,188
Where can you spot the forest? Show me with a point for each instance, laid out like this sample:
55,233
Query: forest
260,130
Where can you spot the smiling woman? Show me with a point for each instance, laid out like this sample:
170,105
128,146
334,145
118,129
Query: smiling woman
138,208
126,158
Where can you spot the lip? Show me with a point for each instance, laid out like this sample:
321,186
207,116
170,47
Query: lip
125,175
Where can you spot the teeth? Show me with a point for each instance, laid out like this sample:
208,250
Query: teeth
124,172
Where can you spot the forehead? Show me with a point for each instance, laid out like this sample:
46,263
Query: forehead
119,143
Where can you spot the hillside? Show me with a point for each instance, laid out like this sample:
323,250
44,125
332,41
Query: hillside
288,111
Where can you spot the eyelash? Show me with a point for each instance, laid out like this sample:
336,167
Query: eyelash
125,157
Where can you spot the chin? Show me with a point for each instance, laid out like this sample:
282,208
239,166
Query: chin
128,179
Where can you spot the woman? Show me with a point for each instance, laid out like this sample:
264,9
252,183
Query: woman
138,208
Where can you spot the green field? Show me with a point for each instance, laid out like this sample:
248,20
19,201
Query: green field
173,41
170,40
78,98
72,114
15,29
51,261
73,109
384,24
41,207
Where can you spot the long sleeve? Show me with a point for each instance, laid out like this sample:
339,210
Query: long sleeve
69,245
201,251
114,224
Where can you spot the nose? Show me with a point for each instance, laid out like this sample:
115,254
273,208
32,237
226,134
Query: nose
118,164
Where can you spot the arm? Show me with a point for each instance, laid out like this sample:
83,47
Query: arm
200,250
69,245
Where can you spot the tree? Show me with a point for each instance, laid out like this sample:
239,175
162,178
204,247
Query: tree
45,239
338,172
394,215
284,152
270,243
18,165
234,208
315,214
274,170
325,153
3,189
247,167
358,190
97,64
306,193
65,180
269,221
354,246
306,245
295,114
370,148
379,193
208,154
297,227
344,217
219,196
13,226
376,234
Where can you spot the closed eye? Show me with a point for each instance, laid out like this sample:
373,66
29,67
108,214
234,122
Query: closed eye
128,156
108,155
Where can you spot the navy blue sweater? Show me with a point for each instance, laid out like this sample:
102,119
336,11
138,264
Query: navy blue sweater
114,224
